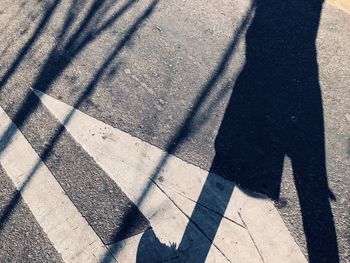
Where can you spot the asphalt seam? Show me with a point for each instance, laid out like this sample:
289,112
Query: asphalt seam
204,206
190,219
256,246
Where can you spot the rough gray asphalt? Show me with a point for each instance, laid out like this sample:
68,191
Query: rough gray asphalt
107,209
103,204
147,81
21,238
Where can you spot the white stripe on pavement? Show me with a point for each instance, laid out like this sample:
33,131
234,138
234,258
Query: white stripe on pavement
249,222
68,231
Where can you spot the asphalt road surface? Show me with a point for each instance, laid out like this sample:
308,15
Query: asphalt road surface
255,90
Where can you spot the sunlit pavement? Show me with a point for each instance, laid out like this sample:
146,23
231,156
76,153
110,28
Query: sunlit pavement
112,114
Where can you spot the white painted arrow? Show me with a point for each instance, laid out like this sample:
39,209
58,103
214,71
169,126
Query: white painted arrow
251,230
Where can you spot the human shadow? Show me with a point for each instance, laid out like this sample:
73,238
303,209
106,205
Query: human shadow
275,111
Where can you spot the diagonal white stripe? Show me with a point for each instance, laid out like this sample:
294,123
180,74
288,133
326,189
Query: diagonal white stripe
68,231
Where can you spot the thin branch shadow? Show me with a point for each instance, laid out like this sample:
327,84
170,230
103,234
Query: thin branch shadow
32,100
185,130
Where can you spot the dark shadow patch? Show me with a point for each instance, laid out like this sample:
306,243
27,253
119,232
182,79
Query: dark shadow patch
151,250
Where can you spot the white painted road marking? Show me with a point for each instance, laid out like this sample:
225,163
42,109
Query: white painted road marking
130,161
68,231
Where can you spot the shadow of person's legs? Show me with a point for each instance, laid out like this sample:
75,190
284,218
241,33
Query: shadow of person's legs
314,196
317,216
